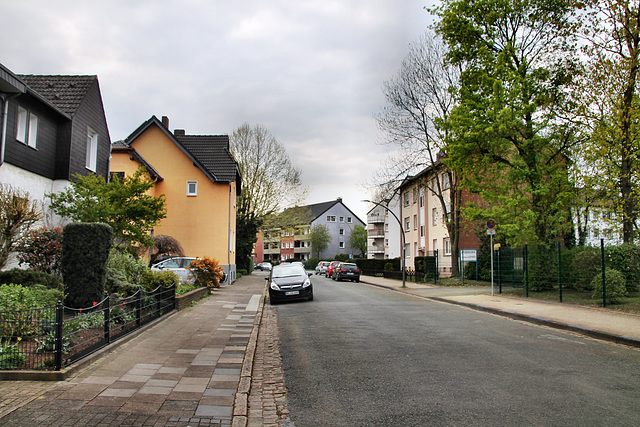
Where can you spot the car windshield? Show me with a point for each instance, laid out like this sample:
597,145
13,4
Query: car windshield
287,271
349,267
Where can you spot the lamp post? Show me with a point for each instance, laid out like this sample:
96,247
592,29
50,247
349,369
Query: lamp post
402,242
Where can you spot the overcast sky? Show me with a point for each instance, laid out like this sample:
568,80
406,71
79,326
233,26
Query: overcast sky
309,71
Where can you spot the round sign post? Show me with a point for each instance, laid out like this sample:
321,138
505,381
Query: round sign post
491,230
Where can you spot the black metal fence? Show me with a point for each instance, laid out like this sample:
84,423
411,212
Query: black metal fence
55,337
428,269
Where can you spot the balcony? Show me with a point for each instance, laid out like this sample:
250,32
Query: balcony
375,218
375,232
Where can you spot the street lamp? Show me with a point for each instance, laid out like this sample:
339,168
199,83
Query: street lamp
402,242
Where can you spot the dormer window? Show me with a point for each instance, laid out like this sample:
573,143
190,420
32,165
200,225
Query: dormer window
27,127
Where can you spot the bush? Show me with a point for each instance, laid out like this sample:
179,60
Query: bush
311,263
85,252
132,266
150,280
41,250
626,259
16,300
585,266
19,276
206,272
615,283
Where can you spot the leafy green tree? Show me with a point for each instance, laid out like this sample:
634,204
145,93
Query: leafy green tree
17,214
611,109
506,135
319,237
122,204
358,239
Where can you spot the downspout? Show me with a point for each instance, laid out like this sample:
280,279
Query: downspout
3,123
230,234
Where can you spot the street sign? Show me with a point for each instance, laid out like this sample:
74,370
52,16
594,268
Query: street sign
491,224
468,255
491,231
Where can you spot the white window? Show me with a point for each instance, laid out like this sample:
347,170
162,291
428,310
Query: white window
415,222
407,224
407,250
406,198
92,150
422,231
445,181
349,219
342,231
447,246
341,219
342,245
434,213
192,188
421,201
331,218
386,227
27,127
386,243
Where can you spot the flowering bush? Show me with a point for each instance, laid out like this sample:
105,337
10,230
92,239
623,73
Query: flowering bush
41,249
206,272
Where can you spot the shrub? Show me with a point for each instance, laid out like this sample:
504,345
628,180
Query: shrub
116,283
10,356
626,259
183,288
342,257
16,301
206,272
615,283
41,249
311,263
150,280
85,251
19,276
585,266
388,267
132,266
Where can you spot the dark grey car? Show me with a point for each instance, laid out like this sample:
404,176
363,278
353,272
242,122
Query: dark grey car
289,282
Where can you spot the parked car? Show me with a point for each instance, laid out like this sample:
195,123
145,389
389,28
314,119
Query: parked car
178,265
346,271
329,271
264,266
289,282
321,268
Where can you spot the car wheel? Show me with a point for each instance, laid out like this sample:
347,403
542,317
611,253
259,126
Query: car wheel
310,298
357,280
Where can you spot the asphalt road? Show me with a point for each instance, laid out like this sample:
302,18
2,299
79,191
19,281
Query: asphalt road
365,356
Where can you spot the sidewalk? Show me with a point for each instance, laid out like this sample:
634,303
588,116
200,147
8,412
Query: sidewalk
190,369
595,322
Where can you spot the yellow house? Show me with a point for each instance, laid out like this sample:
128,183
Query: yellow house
200,180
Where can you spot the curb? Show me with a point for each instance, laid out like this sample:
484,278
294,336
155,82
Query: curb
240,415
592,333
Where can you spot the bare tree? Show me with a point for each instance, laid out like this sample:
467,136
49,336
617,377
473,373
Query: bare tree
419,100
269,179
165,245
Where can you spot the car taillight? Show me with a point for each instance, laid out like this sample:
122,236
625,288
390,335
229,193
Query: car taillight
343,270
358,271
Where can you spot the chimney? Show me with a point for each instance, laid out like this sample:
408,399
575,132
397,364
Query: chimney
165,121
340,199
179,132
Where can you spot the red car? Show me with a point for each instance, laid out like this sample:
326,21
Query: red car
329,271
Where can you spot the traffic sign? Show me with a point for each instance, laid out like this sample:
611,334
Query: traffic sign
491,224
491,231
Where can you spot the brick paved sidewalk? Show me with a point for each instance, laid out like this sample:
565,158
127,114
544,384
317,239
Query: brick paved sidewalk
181,372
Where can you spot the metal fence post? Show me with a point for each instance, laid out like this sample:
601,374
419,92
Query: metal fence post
559,270
499,269
58,346
604,281
107,319
526,270
139,308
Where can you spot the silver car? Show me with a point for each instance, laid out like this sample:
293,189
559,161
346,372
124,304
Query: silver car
178,265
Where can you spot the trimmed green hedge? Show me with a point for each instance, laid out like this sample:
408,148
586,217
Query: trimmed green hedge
85,252
30,277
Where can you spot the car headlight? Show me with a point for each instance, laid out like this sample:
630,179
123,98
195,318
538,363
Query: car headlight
306,283
274,286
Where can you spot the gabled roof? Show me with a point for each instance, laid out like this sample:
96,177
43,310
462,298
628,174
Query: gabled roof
64,92
318,209
210,153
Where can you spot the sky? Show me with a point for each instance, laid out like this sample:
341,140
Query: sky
311,72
